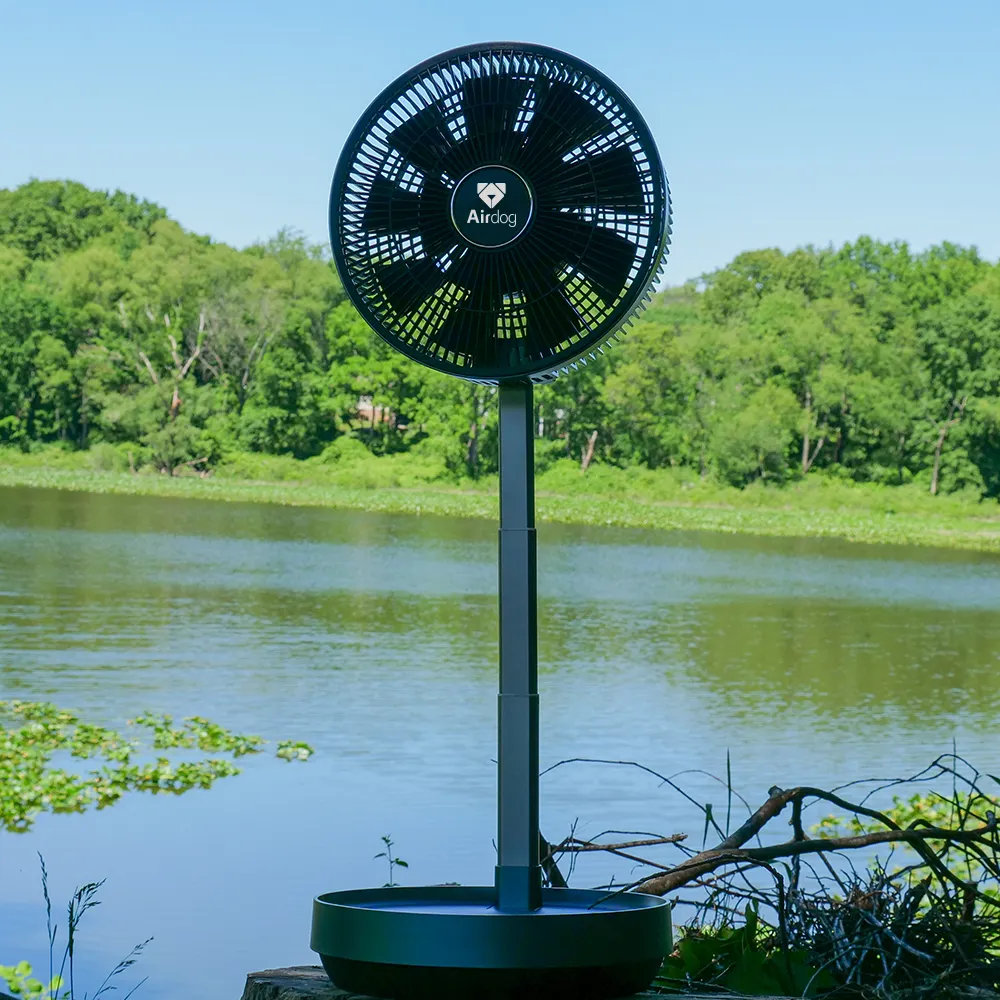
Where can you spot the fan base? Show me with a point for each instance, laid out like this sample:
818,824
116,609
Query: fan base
422,982
451,943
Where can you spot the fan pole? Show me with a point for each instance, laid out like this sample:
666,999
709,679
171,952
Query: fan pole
518,874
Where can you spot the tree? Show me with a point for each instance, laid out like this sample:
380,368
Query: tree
118,326
960,342
47,218
751,432
285,414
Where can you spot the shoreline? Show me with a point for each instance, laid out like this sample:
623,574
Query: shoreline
981,534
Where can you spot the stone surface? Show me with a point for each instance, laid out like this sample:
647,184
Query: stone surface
310,982
302,982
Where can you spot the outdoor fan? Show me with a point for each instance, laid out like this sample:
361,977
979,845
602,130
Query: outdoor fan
498,213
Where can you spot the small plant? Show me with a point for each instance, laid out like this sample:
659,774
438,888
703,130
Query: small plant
393,862
19,977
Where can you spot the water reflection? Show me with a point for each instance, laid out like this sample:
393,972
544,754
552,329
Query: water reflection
373,637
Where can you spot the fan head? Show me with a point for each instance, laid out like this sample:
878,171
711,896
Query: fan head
499,212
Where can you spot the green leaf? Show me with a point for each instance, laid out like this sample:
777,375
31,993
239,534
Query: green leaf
750,975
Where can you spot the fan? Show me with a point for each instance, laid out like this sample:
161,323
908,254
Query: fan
498,214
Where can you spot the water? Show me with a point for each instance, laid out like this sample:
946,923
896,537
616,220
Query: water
373,638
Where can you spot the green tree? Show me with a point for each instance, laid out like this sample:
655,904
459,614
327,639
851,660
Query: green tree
118,326
960,342
47,218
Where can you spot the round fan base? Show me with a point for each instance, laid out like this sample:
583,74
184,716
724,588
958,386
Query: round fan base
452,943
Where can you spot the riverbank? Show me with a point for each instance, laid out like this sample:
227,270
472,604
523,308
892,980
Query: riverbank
634,498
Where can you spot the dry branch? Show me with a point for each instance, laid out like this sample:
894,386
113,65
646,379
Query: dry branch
731,850
921,930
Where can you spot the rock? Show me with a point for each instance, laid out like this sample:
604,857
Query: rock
310,982
301,982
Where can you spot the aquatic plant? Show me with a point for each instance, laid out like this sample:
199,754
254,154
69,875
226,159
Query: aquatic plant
36,731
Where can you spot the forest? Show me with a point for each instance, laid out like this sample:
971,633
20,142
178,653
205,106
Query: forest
160,350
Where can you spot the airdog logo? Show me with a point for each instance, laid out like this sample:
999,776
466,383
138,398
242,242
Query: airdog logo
476,201
497,218
491,192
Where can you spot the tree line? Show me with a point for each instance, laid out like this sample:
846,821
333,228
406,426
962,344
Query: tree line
120,328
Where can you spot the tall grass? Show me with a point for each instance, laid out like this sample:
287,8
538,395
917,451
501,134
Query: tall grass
19,978
664,499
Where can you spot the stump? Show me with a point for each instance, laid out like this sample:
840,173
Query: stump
310,982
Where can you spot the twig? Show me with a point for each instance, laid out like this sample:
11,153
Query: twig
572,844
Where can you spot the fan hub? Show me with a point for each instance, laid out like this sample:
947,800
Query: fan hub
492,206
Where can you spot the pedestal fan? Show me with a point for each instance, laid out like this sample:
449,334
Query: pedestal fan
499,213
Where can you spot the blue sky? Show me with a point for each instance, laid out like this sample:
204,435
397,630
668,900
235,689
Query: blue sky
780,123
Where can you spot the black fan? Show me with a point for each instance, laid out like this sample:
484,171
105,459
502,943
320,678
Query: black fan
499,212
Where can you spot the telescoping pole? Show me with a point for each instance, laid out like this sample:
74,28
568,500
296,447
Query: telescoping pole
518,873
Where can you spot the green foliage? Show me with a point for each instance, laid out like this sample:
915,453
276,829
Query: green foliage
30,784
746,959
44,219
958,811
867,363
20,983
413,482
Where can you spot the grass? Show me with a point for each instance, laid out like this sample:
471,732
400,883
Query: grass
349,478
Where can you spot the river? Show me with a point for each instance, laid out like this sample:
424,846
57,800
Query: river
373,638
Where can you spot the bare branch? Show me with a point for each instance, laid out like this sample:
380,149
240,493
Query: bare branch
173,349
812,459
572,844
728,851
187,364
642,767
546,855
149,368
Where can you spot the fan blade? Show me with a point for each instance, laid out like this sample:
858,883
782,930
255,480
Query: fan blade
491,105
469,328
604,257
406,283
390,209
607,180
552,320
562,120
423,140
533,277
436,230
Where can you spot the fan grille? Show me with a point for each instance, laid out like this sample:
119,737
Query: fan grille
596,241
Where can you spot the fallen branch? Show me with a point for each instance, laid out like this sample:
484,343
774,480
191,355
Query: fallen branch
729,850
910,929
